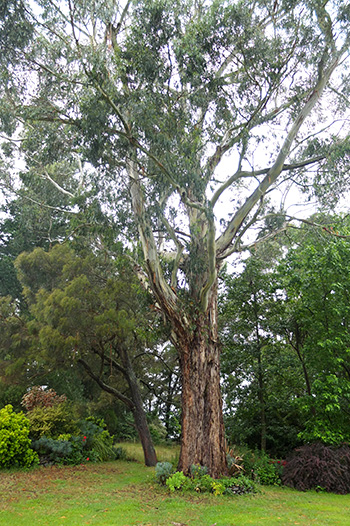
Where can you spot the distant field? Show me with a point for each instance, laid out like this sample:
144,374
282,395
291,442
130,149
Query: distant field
164,453
125,494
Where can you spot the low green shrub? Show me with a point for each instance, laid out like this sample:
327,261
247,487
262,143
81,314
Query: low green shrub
176,481
163,471
198,471
92,443
98,440
52,421
15,444
204,483
261,468
238,485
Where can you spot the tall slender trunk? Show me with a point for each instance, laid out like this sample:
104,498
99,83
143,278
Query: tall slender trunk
203,434
139,414
261,391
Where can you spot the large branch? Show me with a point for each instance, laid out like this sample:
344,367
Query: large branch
163,292
234,225
212,272
109,389
241,174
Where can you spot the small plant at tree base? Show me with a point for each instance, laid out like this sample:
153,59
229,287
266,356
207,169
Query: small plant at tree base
198,471
15,444
234,463
163,471
176,481
240,485
206,484
316,466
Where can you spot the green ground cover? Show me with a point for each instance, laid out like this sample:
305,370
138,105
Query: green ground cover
124,493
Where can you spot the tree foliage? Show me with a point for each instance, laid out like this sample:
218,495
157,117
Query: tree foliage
285,336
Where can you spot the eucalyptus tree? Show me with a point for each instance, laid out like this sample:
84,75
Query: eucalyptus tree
169,101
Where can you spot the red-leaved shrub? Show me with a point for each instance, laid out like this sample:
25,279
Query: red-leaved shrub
39,397
320,467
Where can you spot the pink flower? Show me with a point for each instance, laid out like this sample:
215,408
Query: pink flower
88,458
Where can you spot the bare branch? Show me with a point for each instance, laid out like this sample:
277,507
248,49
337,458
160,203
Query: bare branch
226,238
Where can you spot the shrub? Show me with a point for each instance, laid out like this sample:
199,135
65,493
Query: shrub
260,467
40,397
198,471
238,485
317,466
176,481
234,463
206,484
163,471
98,439
53,451
52,421
15,444
91,442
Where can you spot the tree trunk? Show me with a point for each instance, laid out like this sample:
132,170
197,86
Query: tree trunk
261,391
144,435
203,434
139,413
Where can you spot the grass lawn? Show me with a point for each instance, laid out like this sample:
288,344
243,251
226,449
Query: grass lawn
124,494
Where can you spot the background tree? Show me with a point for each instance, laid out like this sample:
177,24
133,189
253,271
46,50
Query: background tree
261,378
90,311
156,95
314,324
285,339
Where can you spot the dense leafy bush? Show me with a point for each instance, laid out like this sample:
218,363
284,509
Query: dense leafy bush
98,439
261,468
92,443
163,471
40,397
198,471
320,467
177,481
52,421
58,451
15,450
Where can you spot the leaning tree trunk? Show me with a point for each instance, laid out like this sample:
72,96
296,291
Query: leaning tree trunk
203,434
134,403
139,414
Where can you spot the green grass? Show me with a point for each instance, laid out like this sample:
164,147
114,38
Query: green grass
124,494
164,453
